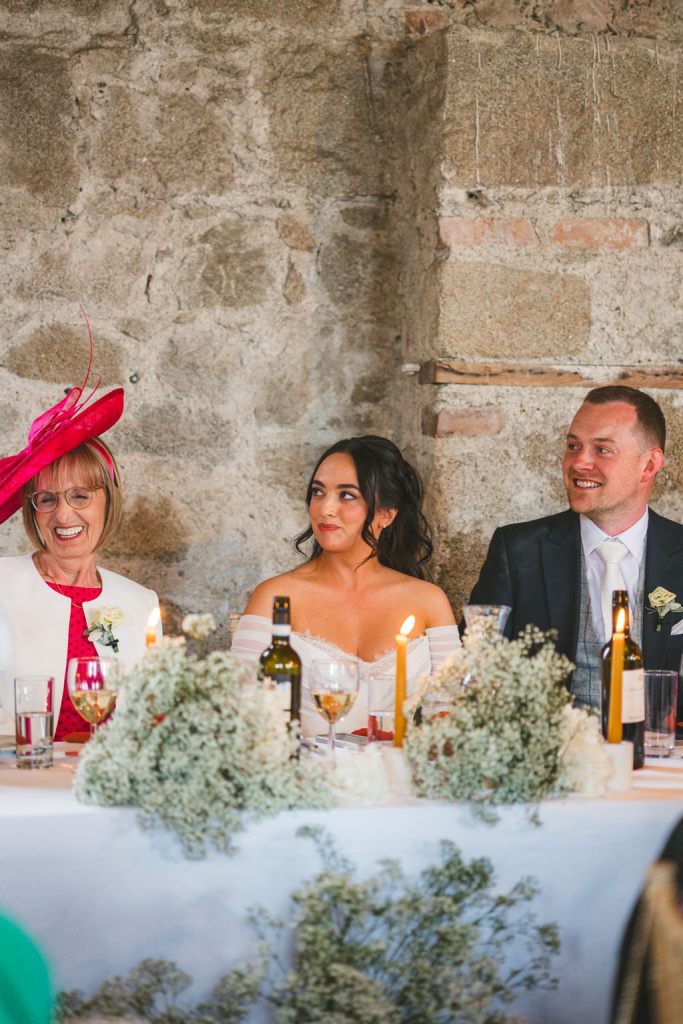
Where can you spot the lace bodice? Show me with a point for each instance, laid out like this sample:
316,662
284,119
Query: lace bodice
425,653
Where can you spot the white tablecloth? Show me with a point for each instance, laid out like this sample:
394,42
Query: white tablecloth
99,894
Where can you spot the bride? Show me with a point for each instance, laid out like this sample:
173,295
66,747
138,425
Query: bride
364,575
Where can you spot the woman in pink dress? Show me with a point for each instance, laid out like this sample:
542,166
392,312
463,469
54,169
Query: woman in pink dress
67,484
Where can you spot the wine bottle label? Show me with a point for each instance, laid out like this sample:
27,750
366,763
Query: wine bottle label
633,696
281,629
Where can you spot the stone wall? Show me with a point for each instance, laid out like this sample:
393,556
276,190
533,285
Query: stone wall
211,181
266,208
559,211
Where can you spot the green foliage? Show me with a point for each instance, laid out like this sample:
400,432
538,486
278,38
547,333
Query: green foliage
195,744
150,993
394,951
386,950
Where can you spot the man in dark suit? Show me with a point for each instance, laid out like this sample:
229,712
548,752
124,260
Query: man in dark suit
554,572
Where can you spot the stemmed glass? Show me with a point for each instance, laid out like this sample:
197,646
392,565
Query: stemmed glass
93,685
333,686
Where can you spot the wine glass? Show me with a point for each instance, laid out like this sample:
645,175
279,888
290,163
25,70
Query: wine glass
333,686
93,685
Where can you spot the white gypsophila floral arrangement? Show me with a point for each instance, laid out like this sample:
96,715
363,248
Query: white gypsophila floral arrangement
506,732
197,744
102,622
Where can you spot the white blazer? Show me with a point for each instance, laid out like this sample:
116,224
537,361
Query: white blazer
34,627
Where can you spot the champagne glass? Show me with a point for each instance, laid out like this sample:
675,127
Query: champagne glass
93,685
333,686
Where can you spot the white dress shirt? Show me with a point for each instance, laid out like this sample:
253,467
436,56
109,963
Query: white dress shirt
634,541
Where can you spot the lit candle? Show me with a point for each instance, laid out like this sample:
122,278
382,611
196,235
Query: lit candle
614,724
401,680
151,631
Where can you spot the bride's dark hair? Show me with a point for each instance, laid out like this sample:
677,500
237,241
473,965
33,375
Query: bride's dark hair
386,480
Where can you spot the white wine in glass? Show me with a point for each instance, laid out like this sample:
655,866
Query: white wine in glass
93,687
333,686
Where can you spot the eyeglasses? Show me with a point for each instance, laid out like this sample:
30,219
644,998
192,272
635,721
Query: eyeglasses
75,497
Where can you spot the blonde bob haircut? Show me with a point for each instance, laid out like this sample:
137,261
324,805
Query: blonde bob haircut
91,468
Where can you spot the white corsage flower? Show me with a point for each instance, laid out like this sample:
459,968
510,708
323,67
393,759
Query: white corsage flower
663,601
102,622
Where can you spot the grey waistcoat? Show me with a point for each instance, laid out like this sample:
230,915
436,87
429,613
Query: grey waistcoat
586,679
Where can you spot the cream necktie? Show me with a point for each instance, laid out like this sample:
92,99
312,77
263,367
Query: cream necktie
611,552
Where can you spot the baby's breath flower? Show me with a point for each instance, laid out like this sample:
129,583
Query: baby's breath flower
508,734
199,626
173,641
584,765
198,745
446,945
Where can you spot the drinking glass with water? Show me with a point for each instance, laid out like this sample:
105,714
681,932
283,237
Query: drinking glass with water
381,702
34,720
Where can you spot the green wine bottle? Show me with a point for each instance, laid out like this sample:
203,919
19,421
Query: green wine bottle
633,695
280,662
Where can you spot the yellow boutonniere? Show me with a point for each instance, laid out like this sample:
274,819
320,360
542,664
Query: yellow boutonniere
663,601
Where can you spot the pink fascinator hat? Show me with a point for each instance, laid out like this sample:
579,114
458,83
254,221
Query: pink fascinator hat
56,432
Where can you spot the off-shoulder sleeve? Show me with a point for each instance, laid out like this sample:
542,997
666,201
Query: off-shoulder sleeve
442,642
251,637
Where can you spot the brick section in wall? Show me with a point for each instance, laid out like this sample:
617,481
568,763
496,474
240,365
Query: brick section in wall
601,233
477,231
484,422
424,20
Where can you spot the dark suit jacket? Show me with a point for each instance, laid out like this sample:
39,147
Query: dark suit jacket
536,568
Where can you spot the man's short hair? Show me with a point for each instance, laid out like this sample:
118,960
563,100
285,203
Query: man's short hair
650,416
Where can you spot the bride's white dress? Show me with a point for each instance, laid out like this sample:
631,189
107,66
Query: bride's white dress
425,654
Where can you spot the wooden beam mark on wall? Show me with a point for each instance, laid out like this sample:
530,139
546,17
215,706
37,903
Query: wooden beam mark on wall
535,375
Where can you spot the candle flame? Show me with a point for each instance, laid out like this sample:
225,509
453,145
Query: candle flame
153,619
407,625
621,618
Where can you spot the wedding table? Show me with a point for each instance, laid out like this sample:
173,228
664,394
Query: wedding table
100,894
